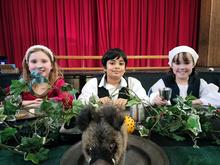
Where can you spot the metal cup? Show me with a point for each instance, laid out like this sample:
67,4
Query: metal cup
137,112
165,93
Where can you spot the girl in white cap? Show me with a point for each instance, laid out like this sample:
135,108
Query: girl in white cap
183,80
41,59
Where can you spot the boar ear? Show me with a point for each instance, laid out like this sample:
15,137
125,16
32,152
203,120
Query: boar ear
118,122
84,117
112,116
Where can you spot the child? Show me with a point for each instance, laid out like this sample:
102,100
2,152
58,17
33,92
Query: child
41,59
113,87
183,80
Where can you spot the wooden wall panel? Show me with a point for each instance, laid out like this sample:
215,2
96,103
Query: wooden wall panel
209,34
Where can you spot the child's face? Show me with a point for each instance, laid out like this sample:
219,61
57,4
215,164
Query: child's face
183,68
41,62
115,68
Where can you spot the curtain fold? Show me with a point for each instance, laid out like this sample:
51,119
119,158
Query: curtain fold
90,27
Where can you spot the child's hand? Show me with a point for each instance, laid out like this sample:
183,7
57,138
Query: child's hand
30,104
121,103
197,102
105,100
159,101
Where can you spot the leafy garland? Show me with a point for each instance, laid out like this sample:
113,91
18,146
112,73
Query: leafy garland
31,138
182,119
178,121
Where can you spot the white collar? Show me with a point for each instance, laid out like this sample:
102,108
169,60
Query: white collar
123,82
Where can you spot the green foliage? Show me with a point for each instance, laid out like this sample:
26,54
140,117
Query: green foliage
133,101
30,139
18,86
177,121
72,112
193,124
37,157
7,134
69,88
31,144
12,102
33,149
11,106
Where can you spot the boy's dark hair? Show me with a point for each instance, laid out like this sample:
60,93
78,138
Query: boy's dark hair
112,54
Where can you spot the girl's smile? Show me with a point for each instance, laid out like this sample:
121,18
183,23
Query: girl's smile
41,62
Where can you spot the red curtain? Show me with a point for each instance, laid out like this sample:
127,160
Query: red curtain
90,27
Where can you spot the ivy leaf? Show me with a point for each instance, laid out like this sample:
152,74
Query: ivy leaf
132,102
143,131
206,126
7,134
51,108
77,106
9,108
190,97
193,124
37,157
2,118
175,126
70,113
1,110
18,86
32,144
67,87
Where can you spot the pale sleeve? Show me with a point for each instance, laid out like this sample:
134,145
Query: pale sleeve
154,90
137,89
209,93
88,90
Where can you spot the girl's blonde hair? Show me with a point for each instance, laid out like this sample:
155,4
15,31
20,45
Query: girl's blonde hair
55,72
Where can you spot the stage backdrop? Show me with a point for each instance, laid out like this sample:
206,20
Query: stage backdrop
90,27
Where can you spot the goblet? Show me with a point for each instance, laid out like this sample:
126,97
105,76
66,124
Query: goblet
165,93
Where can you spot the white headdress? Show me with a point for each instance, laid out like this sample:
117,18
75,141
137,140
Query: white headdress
39,47
180,49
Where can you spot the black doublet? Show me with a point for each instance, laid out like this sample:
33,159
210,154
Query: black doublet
103,92
193,85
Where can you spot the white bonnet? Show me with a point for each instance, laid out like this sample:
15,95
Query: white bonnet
38,47
180,49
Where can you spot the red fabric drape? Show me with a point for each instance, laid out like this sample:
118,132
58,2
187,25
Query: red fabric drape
90,27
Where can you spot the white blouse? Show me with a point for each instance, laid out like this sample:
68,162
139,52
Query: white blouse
208,93
91,89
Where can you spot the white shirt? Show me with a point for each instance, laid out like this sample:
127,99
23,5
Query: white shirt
134,85
208,93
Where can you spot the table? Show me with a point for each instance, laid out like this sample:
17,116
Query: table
178,155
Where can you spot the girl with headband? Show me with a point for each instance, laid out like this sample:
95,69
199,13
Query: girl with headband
39,58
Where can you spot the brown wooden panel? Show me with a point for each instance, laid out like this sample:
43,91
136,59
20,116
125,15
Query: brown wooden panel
205,15
100,68
80,57
214,46
209,33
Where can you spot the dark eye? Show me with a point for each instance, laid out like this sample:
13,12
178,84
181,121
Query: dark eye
112,63
121,63
113,147
44,61
89,150
33,61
